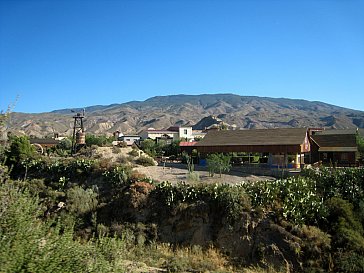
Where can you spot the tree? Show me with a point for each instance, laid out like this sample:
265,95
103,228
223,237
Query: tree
360,143
172,149
65,144
20,149
218,163
98,140
4,117
149,147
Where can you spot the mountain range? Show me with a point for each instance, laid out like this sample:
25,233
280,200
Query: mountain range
200,111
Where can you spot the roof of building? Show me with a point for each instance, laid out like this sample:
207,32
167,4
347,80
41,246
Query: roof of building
352,131
129,136
281,136
173,128
44,141
162,131
338,140
187,144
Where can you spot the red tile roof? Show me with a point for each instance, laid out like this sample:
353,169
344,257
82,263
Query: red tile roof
187,144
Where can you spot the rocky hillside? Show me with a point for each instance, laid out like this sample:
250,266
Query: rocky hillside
164,111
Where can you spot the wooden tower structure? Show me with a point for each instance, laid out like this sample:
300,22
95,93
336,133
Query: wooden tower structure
78,137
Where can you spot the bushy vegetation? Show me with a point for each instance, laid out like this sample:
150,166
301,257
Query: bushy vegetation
345,183
20,149
331,200
161,148
86,215
294,199
28,244
98,140
224,199
360,143
145,161
218,163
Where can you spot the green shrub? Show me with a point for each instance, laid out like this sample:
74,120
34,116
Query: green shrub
65,144
218,163
344,225
349,262
176,264
118,176
193,176
20,150
340,213
172,149
134,152
314,249
360,143
80,201
294,199
98,140
230,201
145,161
345,183
149,147
29,245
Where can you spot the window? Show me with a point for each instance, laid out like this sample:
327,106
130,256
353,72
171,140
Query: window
185,131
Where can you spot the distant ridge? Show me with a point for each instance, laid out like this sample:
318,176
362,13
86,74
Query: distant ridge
164,111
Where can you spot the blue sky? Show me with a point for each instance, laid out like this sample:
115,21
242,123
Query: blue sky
67,54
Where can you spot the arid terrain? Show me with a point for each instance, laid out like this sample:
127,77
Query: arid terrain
164,111
174,172
177,172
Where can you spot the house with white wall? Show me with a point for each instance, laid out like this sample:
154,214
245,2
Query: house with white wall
172,133
130,139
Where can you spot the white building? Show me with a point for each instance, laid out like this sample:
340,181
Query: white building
130,139
171,134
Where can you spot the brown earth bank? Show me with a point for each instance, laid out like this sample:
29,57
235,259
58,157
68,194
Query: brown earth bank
252,238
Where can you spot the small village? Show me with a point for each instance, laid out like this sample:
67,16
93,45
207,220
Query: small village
226,195
262,151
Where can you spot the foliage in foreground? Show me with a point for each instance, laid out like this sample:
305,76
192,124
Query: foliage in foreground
329,199
20,149
30,244
294,199
345,183
229,201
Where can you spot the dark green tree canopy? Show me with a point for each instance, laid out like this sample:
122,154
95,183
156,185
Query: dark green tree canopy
20,149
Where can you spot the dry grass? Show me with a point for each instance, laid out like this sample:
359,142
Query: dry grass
165,258
182,259
254,269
